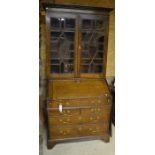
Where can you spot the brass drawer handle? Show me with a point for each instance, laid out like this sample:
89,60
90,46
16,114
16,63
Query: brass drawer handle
79,128
98,118
67,103
65,121
91,118
92,110
106,94
80,118
66,112
99,101
92,101
64,132
94,119
94,131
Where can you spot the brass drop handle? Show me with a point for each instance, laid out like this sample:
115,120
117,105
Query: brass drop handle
90,129
64,132
66,112
94,119
80,118
99,101
63,121
80,129
67,103
99,109
96,110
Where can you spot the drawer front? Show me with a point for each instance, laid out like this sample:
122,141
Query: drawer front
78,131
102,118
64,120
56,112
81,119
94,129
100,101
62,132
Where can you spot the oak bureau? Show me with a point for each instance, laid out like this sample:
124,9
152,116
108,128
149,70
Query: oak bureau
78,96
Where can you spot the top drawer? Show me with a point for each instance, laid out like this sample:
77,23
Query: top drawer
98,101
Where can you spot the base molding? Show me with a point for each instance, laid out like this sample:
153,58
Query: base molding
52,142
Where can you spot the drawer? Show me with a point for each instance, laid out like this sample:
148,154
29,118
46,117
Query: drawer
78,131
62,132
75,120
97,130
56,112
90,130
96,110
100,101
64,120
102,118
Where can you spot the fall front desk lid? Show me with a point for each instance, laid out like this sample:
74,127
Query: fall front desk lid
70,89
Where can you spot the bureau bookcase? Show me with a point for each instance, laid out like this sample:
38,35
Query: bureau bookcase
78,98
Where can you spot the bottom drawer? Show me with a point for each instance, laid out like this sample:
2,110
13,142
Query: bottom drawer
77,131
62,132
93,129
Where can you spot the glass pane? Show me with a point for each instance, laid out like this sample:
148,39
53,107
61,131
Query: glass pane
92,46
54,54
55,36
99,24
62,45
55,61
55,23
86,24
70,23
100,47
55,68
69,36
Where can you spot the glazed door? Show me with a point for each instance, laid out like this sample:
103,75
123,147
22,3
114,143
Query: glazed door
62,44
77,44
93,40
